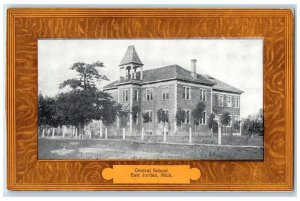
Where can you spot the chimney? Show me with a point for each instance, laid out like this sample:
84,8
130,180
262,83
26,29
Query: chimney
193,68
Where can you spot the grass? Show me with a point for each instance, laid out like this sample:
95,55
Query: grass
152,148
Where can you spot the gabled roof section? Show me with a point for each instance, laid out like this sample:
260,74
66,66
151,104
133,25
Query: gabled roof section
173,72
222,86
111,85
131,57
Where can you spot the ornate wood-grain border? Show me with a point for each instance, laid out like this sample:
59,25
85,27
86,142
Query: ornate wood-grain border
25,26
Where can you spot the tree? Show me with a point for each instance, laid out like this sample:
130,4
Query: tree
225,120
77,108
180,117
236,125
212,124
254,125
197,113
47,113
162,116
110,110
146,117
88,75
84,102
135,111
45,110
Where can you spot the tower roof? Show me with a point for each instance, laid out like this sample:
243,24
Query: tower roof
130,57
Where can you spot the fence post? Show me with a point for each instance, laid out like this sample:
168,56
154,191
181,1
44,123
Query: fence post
63,132
100,128
190,135
165,134
106,133
123,133
142,137
219,135
43,133
53,130
240,128
90,134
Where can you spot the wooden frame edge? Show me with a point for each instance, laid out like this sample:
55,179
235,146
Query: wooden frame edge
12,184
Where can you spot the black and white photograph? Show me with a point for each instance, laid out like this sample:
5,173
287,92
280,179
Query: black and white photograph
150,99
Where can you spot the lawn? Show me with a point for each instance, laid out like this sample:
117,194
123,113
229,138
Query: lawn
111,149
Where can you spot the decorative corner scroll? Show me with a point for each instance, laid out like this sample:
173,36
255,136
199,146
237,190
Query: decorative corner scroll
153,174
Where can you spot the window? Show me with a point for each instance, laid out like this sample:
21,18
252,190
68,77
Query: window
203,118
237,102
162,132
203,95
124,93
148,132
236,118
186,95
150,115
135,95
220,100
165,93
149,94
187,116
228,101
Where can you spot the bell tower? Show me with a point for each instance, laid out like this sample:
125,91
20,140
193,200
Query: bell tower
131,67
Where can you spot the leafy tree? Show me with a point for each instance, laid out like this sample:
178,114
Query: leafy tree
47,114
212,124
122,113
135,111
77,108
88,75
180,117
146,117
254,125
236,125
197,113
162,116
84,102
225,119
109,111
44,110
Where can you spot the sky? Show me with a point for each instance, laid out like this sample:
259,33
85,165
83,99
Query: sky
238,62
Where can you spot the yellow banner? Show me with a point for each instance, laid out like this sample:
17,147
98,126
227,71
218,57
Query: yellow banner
152,174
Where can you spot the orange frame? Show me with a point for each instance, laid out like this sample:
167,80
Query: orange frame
26,26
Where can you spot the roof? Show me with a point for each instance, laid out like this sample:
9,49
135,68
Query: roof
111,85
178,73
175,72
165,73
222,86
130,57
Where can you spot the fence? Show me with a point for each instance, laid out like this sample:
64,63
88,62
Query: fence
184,138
